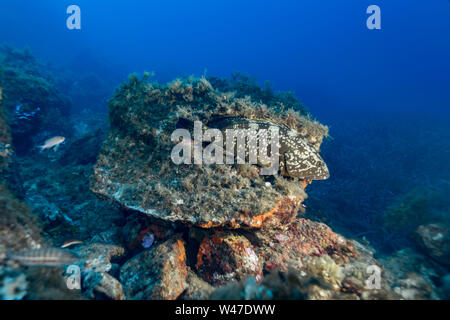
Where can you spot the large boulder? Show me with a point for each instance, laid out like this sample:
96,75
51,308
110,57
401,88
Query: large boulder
135,167
159,273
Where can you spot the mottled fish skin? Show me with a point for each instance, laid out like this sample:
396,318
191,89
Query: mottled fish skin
298,158
45,257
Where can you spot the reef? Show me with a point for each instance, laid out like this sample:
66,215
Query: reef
5,135
31,98
147,228
21,230
217,226
434,240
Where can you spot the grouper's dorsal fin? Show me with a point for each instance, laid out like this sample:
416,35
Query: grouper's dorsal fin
224,121
184,123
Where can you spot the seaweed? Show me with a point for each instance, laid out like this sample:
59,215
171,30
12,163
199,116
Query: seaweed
244,85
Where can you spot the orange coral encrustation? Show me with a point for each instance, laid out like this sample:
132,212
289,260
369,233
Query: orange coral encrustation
305,183
181,254
283,206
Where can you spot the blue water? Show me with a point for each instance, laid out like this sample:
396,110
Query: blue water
384,93
323,51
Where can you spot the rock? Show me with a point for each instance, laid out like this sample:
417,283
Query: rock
84,150
31,98
285,245
434,240
8,166
158,273
99,257
6,149
445,286
19,230
276,285
60,196
50,284
13,284
135,168
137,226
98,264
197,288
414,287
406,267
110,287
227,256
360,274
319,278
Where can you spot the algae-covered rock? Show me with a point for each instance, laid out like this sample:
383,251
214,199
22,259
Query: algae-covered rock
434,240
197,289
318,278
60,196
407,268
225,257
19,231
31,98
135,167
285,245
276,285
109,287
244,85
84,150
5,135
158,274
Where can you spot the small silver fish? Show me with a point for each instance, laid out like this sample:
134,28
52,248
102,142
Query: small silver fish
71,243
44,257
52,143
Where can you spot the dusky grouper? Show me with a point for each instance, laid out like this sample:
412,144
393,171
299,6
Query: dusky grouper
298,158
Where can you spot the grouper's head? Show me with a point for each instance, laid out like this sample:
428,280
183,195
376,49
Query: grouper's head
303,161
